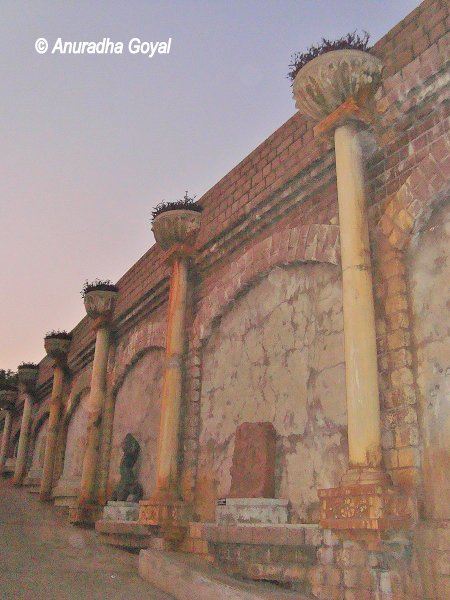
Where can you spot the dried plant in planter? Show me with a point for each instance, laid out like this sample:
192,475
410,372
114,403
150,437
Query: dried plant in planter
104,285
185,203
56,334
351,41
8,379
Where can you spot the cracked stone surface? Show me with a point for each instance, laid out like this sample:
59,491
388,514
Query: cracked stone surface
277,356
137,411
429,271
45,558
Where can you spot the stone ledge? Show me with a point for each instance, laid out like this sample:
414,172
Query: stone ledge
122,527
276,535
187,577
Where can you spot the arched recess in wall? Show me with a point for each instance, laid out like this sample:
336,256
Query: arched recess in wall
14,443
276,354
37,443
137,394
72,445
428,265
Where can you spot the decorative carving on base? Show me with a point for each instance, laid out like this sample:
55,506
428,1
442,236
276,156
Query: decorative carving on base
366,507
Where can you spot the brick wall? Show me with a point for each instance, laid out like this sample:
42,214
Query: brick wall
279,205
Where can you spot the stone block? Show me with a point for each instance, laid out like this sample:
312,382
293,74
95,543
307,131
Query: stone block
121,511
253,467
251,510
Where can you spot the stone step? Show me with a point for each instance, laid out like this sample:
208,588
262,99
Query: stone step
124,534
187,577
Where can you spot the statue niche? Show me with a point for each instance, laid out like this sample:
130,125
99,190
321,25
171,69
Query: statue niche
128,489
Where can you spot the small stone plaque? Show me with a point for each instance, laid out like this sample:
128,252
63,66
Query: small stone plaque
253,468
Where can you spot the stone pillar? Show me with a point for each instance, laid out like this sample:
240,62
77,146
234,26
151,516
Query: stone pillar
100,307
56,348
361,372
7,399
365,499
172,229
27,381
5,437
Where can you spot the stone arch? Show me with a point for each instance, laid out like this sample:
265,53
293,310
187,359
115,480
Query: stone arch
264,357
69,457
305,243
136,393
404,215
13,445
118,382
36,447
428,272
296,244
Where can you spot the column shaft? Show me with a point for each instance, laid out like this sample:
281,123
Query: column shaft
22,450
167,465
5,439
52,433
359,318
96,403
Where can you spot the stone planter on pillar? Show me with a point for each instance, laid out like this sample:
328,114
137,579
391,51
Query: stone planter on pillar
335,89
175,231
28,374
99,303
7,402
56,345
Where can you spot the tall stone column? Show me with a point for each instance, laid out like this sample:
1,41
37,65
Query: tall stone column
336,89
99,306
173,230
7,400
56,346
27,380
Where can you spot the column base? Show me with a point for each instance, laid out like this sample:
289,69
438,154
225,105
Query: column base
371,507
169,515
85,514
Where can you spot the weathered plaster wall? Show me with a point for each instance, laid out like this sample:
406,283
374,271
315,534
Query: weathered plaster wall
76,440
429,272
37,461
137,411
277,356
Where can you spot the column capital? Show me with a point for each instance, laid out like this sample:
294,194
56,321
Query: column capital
28,375
176,230
333,78
57,346
100,305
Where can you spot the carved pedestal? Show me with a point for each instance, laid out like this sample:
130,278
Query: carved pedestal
365,507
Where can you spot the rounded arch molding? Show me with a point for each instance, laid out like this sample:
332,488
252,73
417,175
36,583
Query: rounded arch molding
294,245
120,378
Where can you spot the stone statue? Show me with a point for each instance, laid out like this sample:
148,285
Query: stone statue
128,489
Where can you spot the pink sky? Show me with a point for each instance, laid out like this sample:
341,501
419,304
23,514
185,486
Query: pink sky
92,143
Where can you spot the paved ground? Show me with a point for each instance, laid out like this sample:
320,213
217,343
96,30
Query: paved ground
42,557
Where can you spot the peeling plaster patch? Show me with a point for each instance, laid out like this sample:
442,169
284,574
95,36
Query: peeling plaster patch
277,355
